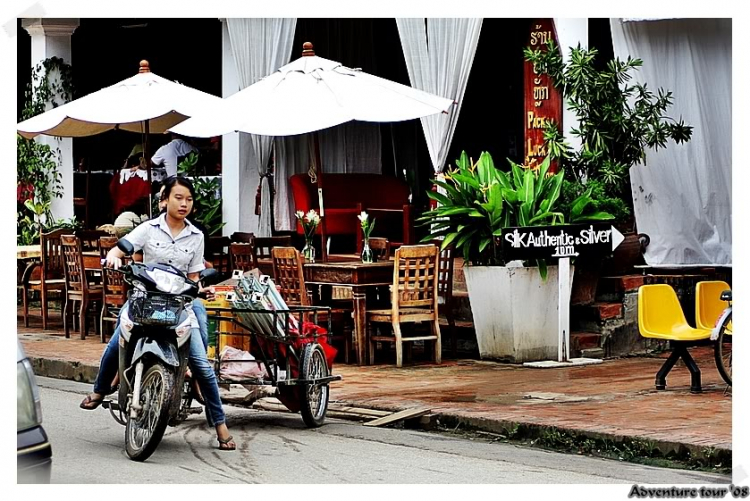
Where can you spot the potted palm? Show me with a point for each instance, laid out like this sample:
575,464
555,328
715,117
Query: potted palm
514,304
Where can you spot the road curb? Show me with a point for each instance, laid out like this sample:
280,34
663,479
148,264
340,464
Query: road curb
80,372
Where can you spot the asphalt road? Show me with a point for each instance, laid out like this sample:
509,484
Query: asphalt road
88,447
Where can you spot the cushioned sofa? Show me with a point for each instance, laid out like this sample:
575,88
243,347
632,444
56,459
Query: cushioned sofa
346,195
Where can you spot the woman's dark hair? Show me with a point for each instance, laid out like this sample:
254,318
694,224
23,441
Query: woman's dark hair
177,180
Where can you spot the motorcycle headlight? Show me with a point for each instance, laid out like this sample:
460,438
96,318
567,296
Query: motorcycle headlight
29,406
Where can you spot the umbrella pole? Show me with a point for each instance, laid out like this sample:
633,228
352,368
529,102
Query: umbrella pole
148,169
320,198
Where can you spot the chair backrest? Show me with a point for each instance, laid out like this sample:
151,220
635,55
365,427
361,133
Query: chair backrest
217,248
242,237
263,245
90,239
708,303
242,256
52,254
381,248
114,287
287,268
75,274
445,273
659,310
106,244
415,277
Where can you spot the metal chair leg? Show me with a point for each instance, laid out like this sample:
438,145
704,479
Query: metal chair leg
661,376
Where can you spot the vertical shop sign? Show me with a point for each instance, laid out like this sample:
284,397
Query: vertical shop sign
542,101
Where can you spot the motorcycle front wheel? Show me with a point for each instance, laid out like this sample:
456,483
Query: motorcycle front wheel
143,434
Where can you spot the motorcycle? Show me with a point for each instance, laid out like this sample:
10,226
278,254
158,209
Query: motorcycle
154,345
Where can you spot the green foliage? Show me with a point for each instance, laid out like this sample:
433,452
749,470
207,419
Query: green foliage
206,206
480,201
618,122
38,178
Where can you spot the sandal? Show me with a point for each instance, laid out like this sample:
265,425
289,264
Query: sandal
90,404
226,444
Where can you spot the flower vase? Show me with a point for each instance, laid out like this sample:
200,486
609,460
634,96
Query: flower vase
367,256
308,252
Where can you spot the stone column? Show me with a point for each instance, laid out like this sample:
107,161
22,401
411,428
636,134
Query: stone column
239,181
571,32
52,38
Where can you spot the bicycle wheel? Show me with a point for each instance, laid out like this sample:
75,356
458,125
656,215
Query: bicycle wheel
723,350
314,397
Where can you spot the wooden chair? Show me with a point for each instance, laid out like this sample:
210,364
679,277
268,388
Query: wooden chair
45,275
263,246
381,248
290,278
242,257
114,291
77,286
217,251
241,237
414,298
445,291
106,244
90,239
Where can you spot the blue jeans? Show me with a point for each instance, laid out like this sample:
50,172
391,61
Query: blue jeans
198,362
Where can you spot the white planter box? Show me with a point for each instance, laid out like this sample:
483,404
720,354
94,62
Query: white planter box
515,312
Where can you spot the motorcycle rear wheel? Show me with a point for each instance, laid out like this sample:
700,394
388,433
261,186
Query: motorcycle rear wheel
143,434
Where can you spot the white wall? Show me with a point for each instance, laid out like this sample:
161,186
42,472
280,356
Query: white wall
51,38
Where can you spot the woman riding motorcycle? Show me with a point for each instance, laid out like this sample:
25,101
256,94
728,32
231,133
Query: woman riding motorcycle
169,239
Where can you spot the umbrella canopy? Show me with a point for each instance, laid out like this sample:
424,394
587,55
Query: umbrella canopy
126,105
310,94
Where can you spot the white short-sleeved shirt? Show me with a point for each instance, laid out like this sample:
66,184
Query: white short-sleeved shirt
184,252
168,154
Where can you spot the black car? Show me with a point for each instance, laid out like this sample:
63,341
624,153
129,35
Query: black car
34,464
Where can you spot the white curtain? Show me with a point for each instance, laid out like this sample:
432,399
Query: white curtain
346,148
439,54
260,47
683,196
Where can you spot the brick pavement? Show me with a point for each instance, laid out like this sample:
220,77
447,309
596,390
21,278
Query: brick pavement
616,398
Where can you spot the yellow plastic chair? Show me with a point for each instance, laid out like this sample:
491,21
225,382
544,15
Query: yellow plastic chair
708,303
660,316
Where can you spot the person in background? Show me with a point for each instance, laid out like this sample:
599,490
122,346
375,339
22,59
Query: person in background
168,155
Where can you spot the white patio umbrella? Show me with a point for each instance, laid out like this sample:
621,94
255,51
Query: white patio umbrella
145,103
310,94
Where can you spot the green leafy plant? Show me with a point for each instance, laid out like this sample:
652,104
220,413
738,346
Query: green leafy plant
618,122
207,206
480,201
38,177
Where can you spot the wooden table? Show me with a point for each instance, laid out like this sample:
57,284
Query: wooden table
28,251
359,276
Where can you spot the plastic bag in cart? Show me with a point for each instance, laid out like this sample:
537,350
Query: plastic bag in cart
238,365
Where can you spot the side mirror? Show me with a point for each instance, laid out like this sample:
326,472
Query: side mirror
209,276
125,247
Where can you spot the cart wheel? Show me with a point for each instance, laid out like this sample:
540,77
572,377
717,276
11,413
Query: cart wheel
723,350
314,397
